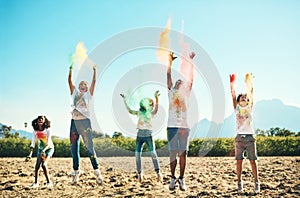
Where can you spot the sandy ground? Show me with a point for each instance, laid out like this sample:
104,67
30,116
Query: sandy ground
205,177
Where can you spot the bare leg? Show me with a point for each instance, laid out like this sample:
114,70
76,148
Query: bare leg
254,170
37,167
182,162
45,169
239,164
173,162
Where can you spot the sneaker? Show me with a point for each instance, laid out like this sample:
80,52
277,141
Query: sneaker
256,187
140,177
34,185
172,183
159,176
49,185
75,176
240,186
98,176
181,184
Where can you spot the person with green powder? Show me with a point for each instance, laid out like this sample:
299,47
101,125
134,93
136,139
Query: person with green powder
145,113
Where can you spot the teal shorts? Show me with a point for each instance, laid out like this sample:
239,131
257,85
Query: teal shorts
49,152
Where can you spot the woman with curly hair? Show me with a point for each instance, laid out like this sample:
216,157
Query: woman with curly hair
41,132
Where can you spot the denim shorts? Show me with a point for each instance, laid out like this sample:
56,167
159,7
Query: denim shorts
245,143
49,152
178,138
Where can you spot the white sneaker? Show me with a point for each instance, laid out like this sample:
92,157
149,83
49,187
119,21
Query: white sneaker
256,187
49,185
98,176
181,184
34,185
75,176
172,184
240,187
159,176
140,177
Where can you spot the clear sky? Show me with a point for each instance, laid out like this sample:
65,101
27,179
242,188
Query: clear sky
38,37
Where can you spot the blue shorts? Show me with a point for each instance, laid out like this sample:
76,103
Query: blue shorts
178,139
49,152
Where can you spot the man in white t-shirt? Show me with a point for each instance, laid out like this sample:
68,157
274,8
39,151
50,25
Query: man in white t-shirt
244,141
178,130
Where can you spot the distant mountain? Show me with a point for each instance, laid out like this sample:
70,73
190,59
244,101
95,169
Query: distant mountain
266,114
273,113
22,133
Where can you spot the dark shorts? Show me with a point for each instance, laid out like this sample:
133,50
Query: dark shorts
178,139
245,143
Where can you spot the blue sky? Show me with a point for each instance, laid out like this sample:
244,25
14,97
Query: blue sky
37,38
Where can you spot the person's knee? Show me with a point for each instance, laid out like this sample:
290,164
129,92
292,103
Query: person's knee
73,137
137,154
44,165
183,153
153,155
92,157
239,161
173,155
37,166
252,162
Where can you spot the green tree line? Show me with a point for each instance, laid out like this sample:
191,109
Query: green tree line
125,146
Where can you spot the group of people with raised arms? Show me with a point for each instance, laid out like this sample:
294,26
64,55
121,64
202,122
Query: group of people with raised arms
177,129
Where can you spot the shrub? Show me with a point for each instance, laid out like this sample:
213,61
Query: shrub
105,147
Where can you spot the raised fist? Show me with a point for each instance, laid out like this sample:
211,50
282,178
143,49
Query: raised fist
156,94
249,77
94,67
232,78
171,56
192,55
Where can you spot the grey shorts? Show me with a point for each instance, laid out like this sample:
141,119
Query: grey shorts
245,143
178,139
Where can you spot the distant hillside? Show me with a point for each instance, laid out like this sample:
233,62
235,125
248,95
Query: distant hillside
273,113
266,114
22,133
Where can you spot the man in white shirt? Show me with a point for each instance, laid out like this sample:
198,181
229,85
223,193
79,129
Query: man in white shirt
244,141
178,130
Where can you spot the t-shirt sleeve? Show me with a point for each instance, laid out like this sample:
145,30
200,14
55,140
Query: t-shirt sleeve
169,93
74,93
33,139
90,97
49,134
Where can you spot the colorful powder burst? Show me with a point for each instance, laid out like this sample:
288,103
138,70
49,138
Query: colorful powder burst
186,67
80,55
249,83
164,44
134,97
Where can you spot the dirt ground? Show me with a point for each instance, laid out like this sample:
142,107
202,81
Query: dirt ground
205,177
